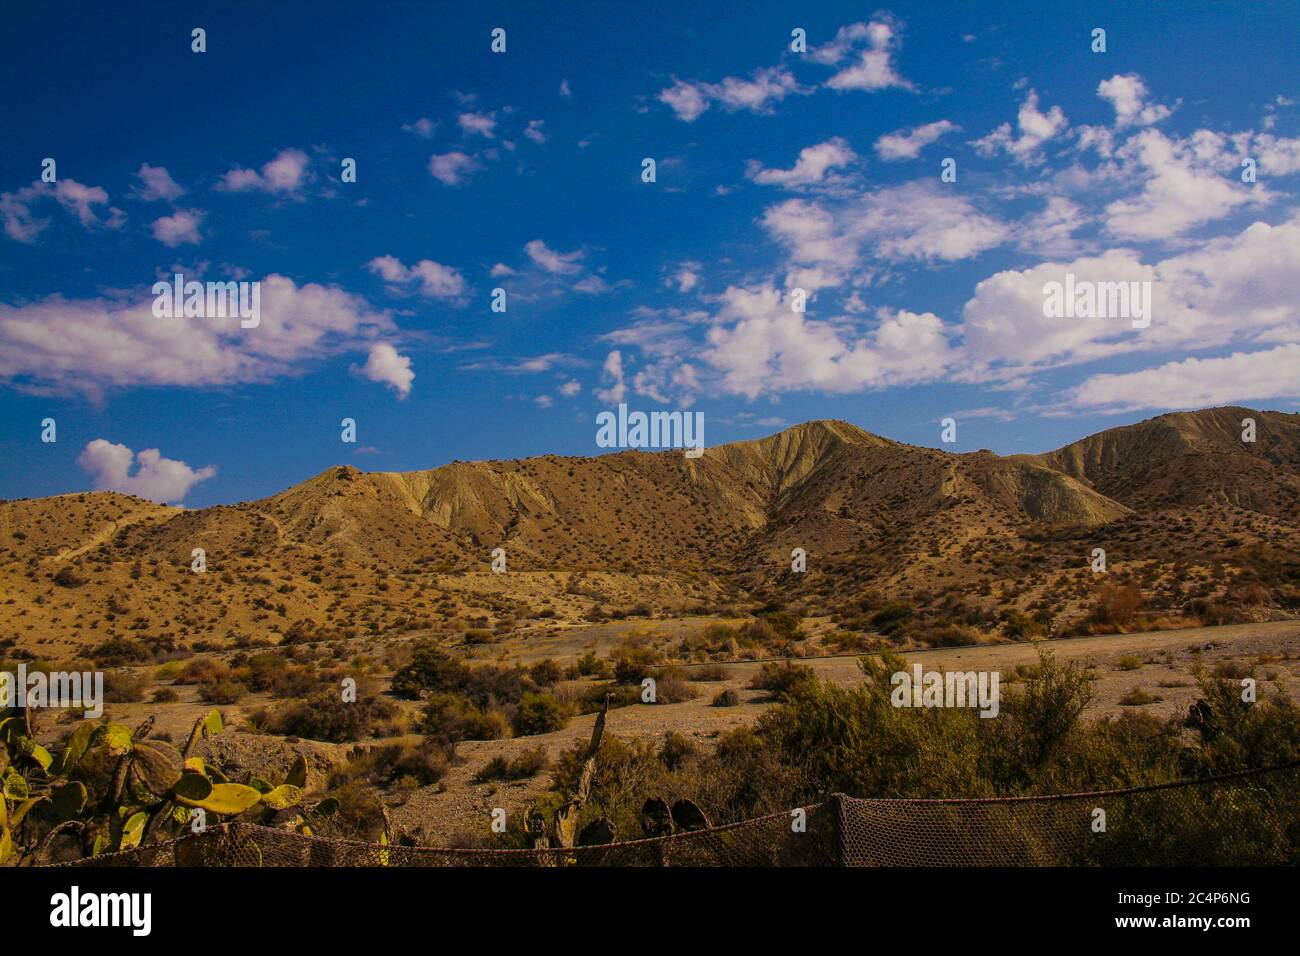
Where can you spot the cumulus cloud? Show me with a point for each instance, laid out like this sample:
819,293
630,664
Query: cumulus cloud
1236,289
810,168
94,345
22,223
558,263
481,124
1194,383
423,127
760,345
1004,322
1184,186
534,131
685,278
914,221
612,374
1051,231
385,365
1035,128
546,273
689,100
870,49
908,143
156,184
1276,155
155,477
451,169
178,229
436,281
286,173
1128,93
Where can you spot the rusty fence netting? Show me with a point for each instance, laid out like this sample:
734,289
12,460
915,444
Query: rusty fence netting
1247,818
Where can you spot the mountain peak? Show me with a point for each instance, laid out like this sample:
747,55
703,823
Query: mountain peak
833,428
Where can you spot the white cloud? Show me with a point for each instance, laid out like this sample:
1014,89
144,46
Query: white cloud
178,229
571,388
565,90
810,168
688,100
423,127
1184,186
914,221
815,240
762,346
1004,322
385,365
1128,93
534,131
1035,127
156,478
1275,155
1236,289
873,46
908,143
481,124
1051,231
156,184
22,224
436,280
685,278
92,345
557,263
285,173
669,381
452,168
612,373
591,285
658,332
1194,383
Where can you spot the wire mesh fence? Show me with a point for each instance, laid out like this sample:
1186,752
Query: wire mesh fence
1248,818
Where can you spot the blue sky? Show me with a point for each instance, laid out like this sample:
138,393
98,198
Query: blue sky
775,170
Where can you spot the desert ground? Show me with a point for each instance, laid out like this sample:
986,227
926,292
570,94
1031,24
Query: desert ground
1161,663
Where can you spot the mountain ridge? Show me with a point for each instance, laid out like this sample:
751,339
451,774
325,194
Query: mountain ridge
1173,494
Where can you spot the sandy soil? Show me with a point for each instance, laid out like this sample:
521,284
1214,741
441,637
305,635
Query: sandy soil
1166,657
458,806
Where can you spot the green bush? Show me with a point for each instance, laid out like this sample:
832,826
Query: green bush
430,670
780,677
326,716
891,618
546,673
124,687
449,719
540,714
527,764
222,691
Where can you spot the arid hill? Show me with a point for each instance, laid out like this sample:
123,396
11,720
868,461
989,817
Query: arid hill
1192,458
1184,509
